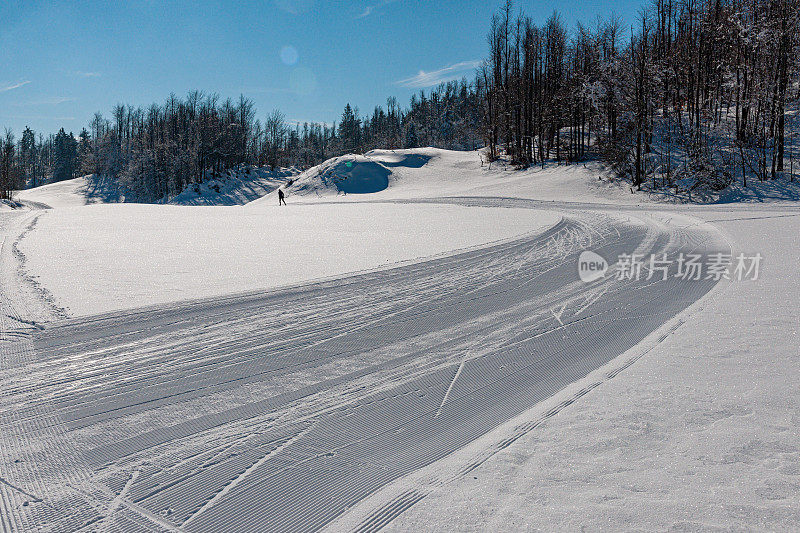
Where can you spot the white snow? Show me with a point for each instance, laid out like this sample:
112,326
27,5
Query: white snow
431,172
234,187
108,257
229,188
69,193
702,433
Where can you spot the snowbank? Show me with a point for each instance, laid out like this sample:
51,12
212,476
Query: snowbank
235,187
761,192
107,257
230,188
86,190
431,172
354,174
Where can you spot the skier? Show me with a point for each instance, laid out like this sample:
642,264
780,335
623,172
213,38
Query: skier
281,197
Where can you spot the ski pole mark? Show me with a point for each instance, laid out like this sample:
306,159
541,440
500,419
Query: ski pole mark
447,394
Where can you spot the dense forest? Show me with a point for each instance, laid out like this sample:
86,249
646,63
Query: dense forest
705,90
699,88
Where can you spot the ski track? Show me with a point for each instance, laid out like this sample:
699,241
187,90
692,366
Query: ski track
278,411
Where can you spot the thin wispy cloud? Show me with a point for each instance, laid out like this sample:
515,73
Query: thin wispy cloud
37,117
370,9
9,86
442,75
85,74
53,100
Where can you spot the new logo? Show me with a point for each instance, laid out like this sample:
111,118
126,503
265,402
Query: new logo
591,266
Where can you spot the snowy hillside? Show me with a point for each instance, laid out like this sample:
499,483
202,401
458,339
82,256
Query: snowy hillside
234,187
432,172
85,190
425,172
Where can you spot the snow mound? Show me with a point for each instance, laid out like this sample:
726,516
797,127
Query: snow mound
234,187
432,172
89,189
353,174
374,172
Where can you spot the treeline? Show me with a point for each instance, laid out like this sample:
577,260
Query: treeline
155,152
699,88
33,160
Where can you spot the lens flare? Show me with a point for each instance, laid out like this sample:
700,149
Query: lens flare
289,55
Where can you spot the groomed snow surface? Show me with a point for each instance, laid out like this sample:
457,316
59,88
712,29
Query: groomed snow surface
484,388
110,257
130,255
700,434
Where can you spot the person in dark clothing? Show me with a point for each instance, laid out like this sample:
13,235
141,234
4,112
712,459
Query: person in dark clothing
281,198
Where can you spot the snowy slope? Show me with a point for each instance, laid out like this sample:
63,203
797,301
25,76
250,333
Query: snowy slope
431,172
230,188
484,390
278,411
234,187
85,190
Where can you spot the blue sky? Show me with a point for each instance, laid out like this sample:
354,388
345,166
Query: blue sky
60,61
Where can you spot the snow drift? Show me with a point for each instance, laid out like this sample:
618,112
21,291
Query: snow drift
232,187
353,174
372,172
433,172
86,190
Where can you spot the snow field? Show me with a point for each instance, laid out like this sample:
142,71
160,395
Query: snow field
374,383
278,411
109,257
